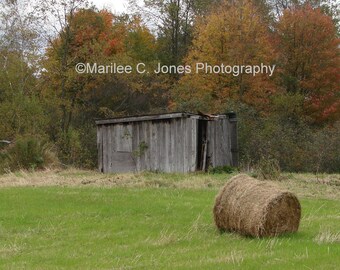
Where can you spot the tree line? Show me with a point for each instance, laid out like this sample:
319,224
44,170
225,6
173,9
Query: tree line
290,120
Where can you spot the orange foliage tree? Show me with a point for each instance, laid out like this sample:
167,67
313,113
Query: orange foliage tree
309,60
87,37
234,34
99,37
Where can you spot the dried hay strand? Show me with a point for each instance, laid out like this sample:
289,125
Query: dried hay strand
256,208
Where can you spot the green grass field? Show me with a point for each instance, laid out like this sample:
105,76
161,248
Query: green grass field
153,221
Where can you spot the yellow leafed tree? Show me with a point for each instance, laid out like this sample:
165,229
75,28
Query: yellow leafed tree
234,34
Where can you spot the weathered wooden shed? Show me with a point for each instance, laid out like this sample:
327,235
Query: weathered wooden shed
172,142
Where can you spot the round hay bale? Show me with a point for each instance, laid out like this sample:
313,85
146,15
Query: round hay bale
256,208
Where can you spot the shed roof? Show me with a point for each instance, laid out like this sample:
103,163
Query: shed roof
151,117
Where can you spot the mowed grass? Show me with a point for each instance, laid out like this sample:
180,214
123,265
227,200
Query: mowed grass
94,227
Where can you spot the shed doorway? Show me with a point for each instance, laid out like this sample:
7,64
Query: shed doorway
202,146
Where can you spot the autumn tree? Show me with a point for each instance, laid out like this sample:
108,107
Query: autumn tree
57,18
85,36
173,21
234,34
309,60
92,36
329,7
123,94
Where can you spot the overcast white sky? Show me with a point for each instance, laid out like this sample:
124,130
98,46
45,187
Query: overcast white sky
116,6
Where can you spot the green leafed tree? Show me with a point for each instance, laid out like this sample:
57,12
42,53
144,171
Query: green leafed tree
20,105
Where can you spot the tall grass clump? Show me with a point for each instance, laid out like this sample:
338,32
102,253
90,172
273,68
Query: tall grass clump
28,153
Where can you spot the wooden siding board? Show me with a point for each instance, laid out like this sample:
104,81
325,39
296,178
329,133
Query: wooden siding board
116,132
142,139
178,146
111,130
220,138
166,146
103,150
192,155
210,138
152,147
160,146
194,144
218,146
213,150
117,136
190,149
106,149
188,145
184,150
135,146
100,147
109,149
171,145
154,143
142,118
181,139
175,147
162,143
211,145
148,137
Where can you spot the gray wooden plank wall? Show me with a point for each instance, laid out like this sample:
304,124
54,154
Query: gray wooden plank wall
219,144
115,148
171,145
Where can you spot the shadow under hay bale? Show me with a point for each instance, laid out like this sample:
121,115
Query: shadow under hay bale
256,208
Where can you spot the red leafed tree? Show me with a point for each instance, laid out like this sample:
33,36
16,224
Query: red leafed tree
310,61
94,33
